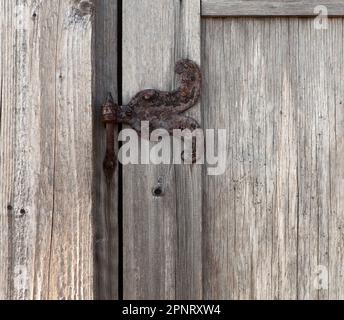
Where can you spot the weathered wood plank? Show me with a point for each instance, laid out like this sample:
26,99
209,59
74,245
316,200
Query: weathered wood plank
335,123
46,150
270,8
106,196
189,178
320,99
274,220
162,235
71,252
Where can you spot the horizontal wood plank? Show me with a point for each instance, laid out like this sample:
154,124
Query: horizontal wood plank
335,8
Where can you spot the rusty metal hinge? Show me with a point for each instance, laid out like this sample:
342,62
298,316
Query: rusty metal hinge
161,108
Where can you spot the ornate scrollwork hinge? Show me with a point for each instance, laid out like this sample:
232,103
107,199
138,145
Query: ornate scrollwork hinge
162,109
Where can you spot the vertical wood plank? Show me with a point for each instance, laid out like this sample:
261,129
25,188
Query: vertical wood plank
311,100
336,167
244,235
149,223
106,192
162,235
46,150
320,249
189,178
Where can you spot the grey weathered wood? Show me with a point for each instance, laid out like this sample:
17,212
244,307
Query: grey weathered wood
334,122
276,216
162,235
46,150
270,7
106,196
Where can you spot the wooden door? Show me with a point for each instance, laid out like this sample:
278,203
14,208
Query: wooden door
271,226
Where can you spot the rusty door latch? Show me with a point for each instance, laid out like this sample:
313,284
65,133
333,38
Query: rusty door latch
161,108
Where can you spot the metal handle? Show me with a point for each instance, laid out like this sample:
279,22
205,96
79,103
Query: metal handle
161,108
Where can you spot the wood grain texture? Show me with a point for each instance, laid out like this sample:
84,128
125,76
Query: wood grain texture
270,7
46,150
106,192
273,223
162,235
